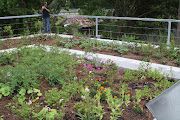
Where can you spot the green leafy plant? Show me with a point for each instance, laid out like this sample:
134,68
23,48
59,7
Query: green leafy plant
21,109
139,95
115,104
8,30
6,58
121,49
32,92
177,62
46,113
73,28
128,38
155,75
128,76
1,117
21,77
2,43
39,25
158,55
4,90
163,61
99,108
146,49
53,97
87,109
54,74
138,109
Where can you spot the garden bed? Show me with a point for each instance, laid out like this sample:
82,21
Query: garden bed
138,51
36,84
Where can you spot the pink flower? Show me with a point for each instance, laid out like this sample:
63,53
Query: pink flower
75,78
89,69
83,97
48,109
119,75
87,90
29,102
79,61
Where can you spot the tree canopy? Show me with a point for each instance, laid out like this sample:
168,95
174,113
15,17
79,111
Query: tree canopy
27,7
130,8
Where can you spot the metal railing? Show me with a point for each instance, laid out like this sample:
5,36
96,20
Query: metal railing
110,27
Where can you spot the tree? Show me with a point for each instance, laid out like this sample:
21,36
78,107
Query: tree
56,6
163,9
130,8
28,7
178,28
18,7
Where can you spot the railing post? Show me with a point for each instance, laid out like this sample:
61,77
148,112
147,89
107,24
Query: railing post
169,33
96,27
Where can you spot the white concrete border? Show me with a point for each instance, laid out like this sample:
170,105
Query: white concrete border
173,72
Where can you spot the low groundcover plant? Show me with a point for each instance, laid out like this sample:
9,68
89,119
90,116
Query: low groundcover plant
56,85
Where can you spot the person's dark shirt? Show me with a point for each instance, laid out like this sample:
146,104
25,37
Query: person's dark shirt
45,13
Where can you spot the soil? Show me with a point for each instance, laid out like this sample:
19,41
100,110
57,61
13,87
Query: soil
128,113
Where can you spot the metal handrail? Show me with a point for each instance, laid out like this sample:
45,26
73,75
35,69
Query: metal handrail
88,16
21,16
121,18
169,21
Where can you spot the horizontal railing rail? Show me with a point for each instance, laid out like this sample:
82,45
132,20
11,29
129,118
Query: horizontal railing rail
121,18
88,16
21,16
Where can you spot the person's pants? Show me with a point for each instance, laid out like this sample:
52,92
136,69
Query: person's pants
46,22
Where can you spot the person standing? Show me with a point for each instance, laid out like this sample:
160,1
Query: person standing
46,17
